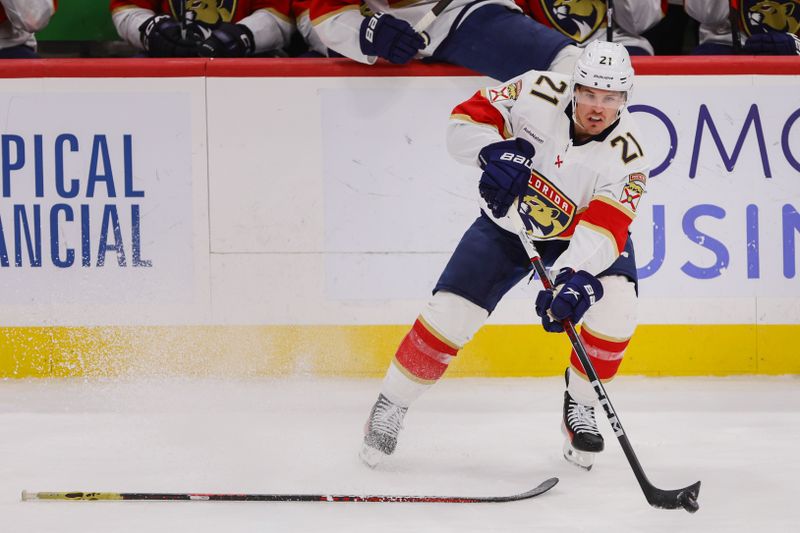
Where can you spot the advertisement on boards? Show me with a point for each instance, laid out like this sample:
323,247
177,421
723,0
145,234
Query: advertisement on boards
724,190
96,199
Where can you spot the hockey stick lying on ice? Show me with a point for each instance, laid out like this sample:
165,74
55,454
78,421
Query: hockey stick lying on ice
664,499
429,17
116,496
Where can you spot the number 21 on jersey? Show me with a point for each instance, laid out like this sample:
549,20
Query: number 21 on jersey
552,87
629,153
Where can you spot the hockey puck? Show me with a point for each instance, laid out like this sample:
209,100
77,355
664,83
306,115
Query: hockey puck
688,501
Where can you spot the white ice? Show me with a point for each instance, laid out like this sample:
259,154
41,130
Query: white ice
464,437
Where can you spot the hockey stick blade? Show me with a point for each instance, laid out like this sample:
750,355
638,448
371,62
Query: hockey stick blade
685,498
139,496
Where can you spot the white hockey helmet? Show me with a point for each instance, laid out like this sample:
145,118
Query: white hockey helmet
604,65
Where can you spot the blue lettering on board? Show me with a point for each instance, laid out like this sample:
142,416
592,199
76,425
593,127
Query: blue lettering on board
706,241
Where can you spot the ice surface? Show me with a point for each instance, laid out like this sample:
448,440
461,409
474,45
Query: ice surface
464,437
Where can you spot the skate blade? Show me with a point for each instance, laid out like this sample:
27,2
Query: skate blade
370,456
584,460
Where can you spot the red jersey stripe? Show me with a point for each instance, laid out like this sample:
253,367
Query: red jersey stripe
603,216
478,109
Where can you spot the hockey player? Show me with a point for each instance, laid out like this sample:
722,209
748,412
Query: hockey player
765,27
19,20
567,148
492,37
208,28
586,20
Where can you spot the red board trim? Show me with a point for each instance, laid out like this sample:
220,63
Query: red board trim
315,67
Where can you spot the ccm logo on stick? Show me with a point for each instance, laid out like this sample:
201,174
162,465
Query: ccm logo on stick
612,416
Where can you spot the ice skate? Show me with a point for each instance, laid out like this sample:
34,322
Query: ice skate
380,432
583,439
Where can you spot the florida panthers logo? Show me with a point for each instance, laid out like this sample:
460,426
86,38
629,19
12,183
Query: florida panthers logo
545,210
208,12
761,16
577,19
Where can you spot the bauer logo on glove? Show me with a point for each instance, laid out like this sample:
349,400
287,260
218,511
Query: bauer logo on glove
369,32
575,292
506,168
389,37
517,158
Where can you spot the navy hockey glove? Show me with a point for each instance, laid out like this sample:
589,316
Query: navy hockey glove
390,38
507,169
580,290
229,40
161,37
772,43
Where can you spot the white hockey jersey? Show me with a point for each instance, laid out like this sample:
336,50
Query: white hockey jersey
269,20
337,22
20,19
587,192
714,19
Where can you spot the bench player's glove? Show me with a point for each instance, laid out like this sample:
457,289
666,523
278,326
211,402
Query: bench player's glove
506,171
161,37
391,38
772,43
574,293
229,40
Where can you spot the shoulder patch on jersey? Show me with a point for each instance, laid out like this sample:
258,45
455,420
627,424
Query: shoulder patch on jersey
546,211
633,191
507,92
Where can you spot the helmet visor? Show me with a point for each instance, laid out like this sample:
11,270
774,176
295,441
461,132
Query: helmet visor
599,97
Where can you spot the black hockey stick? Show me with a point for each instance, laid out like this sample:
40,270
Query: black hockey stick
429,17
180,15
160,496
733,18
663,499
609,20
